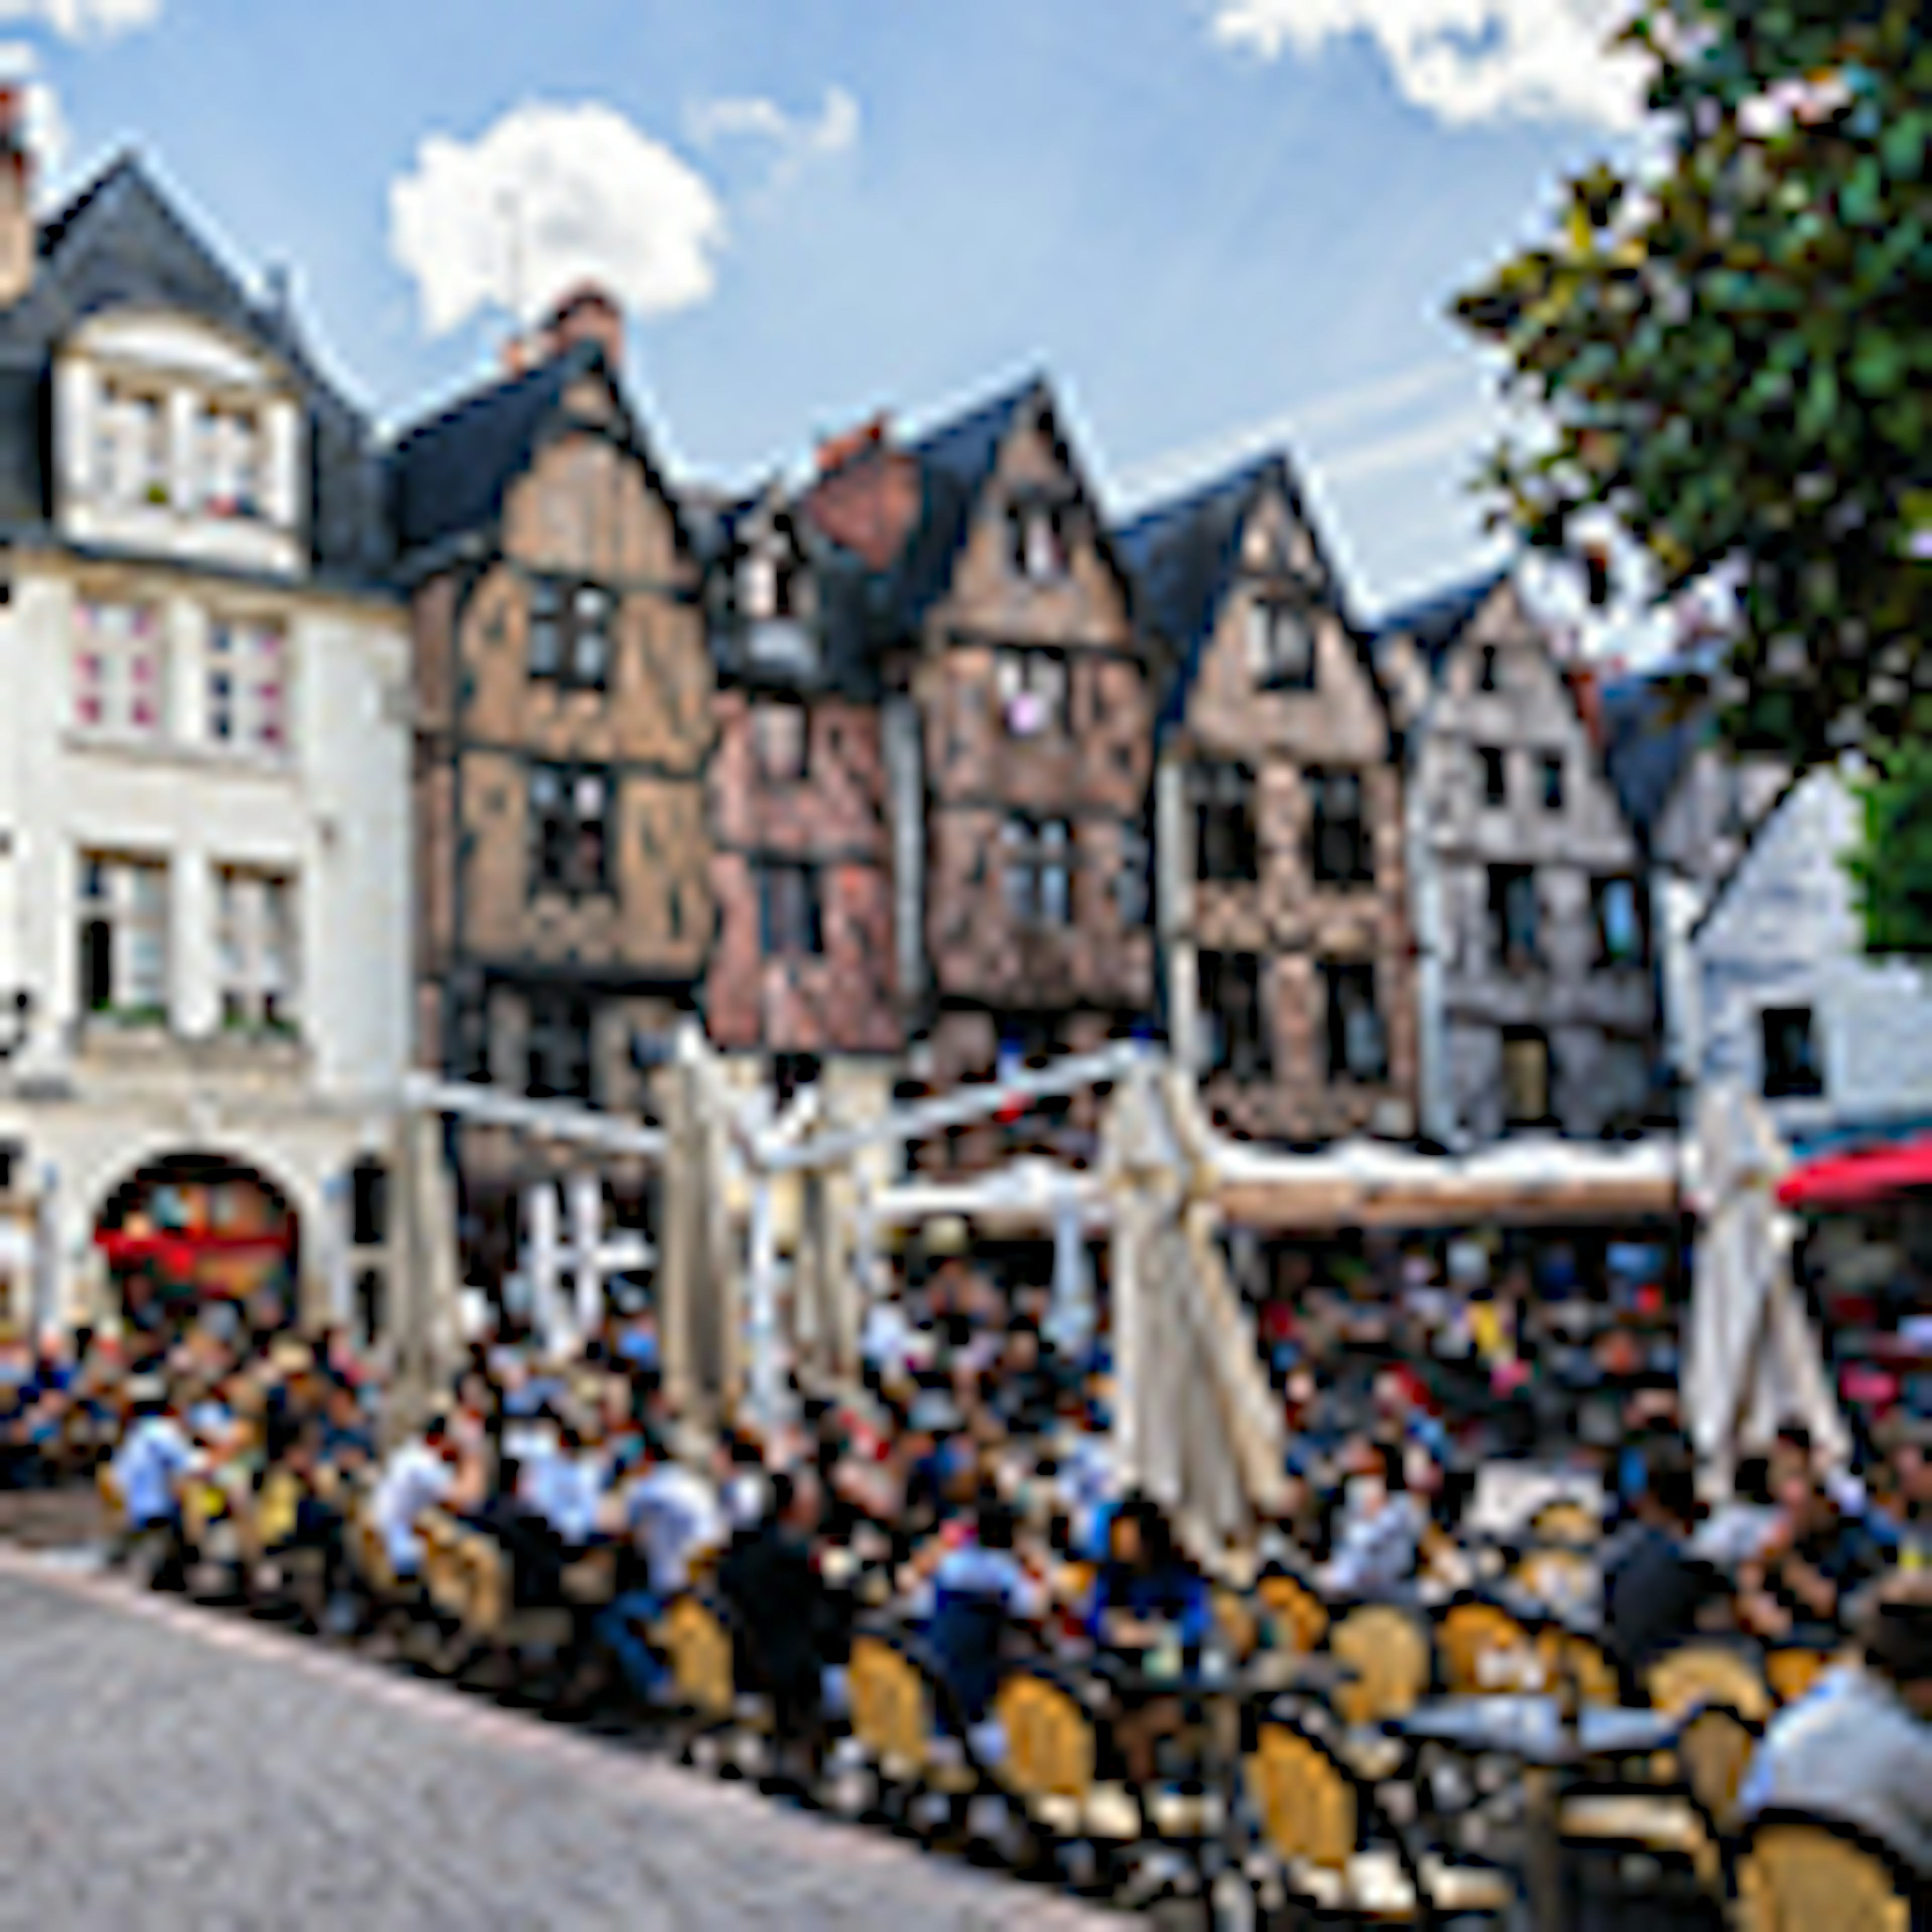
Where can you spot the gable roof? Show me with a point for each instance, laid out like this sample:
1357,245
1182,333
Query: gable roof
1721,892
1650,738
1434,623
448,476
123,242
1185,555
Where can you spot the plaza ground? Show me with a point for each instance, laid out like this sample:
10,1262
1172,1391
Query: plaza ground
172,1767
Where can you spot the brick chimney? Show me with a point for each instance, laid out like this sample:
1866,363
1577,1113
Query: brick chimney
587,313
18,240
867,495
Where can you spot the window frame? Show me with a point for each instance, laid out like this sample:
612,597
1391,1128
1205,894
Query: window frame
1519,1037
1782,1081
257,941
1030,855
764,713
1553,778
1337,976
115,651
552,1033
1224,802
792,929
1488,669
1494,761
132,996
570,877
1270,612
1041,674
257,705
1359,869
1503,952
566,626
1601,887
1026,513
1245,1053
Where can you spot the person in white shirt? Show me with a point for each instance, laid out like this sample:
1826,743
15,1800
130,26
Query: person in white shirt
675,1517
418,1475
154,1453
564,1487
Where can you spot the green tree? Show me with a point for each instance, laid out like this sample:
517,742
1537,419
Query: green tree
1732,353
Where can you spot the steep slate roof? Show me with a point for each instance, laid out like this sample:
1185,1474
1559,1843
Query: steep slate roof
1184,556
122,242
1434,623
955,461
1649,741
447,477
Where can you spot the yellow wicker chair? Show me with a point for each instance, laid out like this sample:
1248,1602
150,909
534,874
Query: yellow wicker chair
1052,1749
113,1502
1389,1651
1315,1817
1791,1669
1239,1627
1573,1525
1713,1751
1589,1669
1297,1617
1483,1650
1708,1673
1802,1875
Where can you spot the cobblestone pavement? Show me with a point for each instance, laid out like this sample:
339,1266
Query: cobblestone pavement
165,1766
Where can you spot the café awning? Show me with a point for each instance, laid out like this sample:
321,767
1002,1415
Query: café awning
1854,1180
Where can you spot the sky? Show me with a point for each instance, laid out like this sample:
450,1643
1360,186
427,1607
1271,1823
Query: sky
1220,226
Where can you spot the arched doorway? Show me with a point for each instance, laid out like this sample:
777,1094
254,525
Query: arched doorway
199,1237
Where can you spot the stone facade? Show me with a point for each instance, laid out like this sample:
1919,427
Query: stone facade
1510,797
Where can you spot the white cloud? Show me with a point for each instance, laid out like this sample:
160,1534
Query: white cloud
84,19
797,139
1459,434
1467,60
549,196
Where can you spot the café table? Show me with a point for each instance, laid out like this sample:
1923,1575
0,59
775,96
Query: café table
1534,1729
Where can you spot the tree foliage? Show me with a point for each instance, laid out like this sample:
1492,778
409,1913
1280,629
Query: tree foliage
1735,359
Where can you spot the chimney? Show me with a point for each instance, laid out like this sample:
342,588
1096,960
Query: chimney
19,238
835,451
587,313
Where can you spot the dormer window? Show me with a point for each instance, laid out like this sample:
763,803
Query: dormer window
1032,692
765,586
132,459
1281,645
230,461
1037,533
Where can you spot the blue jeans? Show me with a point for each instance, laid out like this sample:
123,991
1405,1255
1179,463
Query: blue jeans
618,1627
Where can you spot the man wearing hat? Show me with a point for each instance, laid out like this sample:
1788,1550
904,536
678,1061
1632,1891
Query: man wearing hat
1857,1746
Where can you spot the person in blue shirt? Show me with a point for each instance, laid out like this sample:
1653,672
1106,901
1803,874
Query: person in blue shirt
979,1590
1147,1593
153,1456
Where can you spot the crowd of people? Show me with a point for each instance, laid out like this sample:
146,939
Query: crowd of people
965,1487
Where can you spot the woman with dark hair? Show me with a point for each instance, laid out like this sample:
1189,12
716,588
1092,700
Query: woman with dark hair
1148,1597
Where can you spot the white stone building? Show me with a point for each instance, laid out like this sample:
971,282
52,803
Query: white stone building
205,849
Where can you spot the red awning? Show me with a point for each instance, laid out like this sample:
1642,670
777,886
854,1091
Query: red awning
1852,1179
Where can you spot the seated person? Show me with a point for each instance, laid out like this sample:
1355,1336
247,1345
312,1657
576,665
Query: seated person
1654,1588
1857,1746
1814,1557
154,1456
1380,1526
978,1588
1147,1596
420,1475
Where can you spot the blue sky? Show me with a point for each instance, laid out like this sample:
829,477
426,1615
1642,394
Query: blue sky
1218,224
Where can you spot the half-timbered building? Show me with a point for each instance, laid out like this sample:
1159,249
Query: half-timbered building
1283,903
563,725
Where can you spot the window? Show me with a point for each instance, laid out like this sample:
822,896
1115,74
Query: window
780,741
255,950
791,1074
1339,850
766,586
1038,874
247,686
1793,1067
369,1204
1036,541
1513,917
1358,1049
569,810
229,454
1495,778
1525,1077
788,909
131,444
1619,917
558,1043
1232,1014
1485,676
570,627
1032,692
1552,783
1281,645
117,684
1225,844
1131,893
124,938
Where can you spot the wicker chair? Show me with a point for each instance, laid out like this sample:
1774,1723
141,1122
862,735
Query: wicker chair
1481,1649
1798,1874
1297,1617
1567,1524
1053,1749
913,1738
727,1724
1585,1659
1325,1845
1791,1669
1389,1651
113,1502
1705,1673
